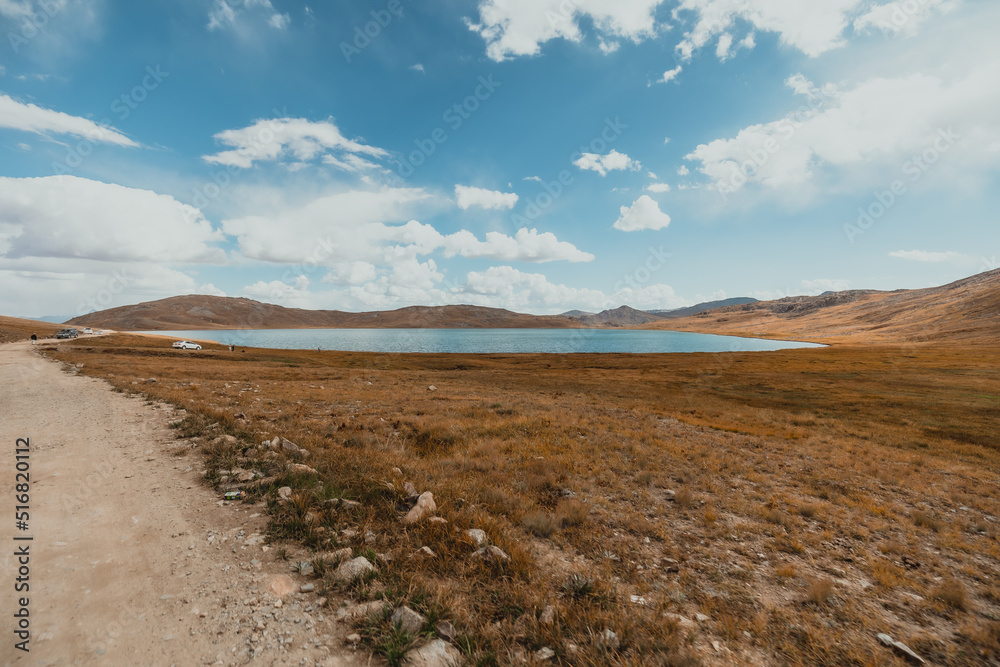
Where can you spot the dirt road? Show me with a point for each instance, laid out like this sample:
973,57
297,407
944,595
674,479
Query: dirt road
132,561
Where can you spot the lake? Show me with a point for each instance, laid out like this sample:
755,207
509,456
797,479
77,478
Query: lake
497,341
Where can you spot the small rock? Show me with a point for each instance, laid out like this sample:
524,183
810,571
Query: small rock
239,415
430,388
437,653
355,612
285,492
397,472
545,653
307,588
408,620
353,639
424,552
304,568
353,569
608,640
682,621
410,490
445,630
370,537
438,520
900,648
670,495
567,493
302,469
478,536
548,616
701,618
425,506
349,504
283,585
670,565
491,553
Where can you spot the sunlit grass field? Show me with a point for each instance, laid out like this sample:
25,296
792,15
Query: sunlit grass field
749,508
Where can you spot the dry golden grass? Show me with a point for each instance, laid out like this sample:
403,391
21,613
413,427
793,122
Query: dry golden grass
15,329
817,461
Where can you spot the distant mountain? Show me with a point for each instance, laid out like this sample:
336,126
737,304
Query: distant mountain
701,307
54,319
575,313
623,316
967,310
214,312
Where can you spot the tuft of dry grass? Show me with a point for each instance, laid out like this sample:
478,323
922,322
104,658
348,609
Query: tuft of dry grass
926,520
820,591
539,524
952,592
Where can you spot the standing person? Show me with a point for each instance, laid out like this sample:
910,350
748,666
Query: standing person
34,339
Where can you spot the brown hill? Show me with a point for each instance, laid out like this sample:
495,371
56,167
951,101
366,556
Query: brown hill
14,329
623,316
967,310
214,312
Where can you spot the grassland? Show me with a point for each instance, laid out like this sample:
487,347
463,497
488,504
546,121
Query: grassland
749,508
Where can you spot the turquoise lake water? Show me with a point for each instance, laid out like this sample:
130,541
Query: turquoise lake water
496,341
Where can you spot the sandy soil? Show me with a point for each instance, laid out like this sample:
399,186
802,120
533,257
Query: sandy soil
133,560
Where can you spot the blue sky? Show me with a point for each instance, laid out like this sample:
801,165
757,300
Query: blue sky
538,155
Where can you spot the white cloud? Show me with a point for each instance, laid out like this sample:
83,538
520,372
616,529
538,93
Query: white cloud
901,16
537,179
507,287
667,77
32,118
821,285
683,171
925,256
883,122
469,196
666,140
643,214
362,226
813,27
519,27
297,138
76,218
608,48
418,68
602,164
658,187
226,13
351,273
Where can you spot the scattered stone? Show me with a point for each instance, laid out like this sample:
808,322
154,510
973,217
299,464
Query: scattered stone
437,653
353,639
302,469
900,648
246,476
670,495
239,415
548,616
424,552
283,585
445,630
670,565
356,612
304,568
430,388
353,569
545,653
307,588
910,563
478,536
408,620
425,506
682,622
491,553
397,472
701,618
285,492
438,520
638,599
223,439
370,537
608,640
410,490
349,504
338,556
567,493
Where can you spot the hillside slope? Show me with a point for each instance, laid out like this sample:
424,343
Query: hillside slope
14,329
213,312
966,310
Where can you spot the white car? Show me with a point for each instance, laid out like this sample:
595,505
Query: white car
186,345
88,330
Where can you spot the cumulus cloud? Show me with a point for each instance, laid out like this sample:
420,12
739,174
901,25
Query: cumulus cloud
368,226
507,287
296,138
658,187
925,256
644,213
517,28
602,164
468,197
669,76
226,13
70,217
881,120
31,118
901,16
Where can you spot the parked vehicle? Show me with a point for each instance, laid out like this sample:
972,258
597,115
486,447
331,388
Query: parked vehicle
186,345
88,330
68,333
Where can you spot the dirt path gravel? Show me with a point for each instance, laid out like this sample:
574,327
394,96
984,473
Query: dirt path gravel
133,561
